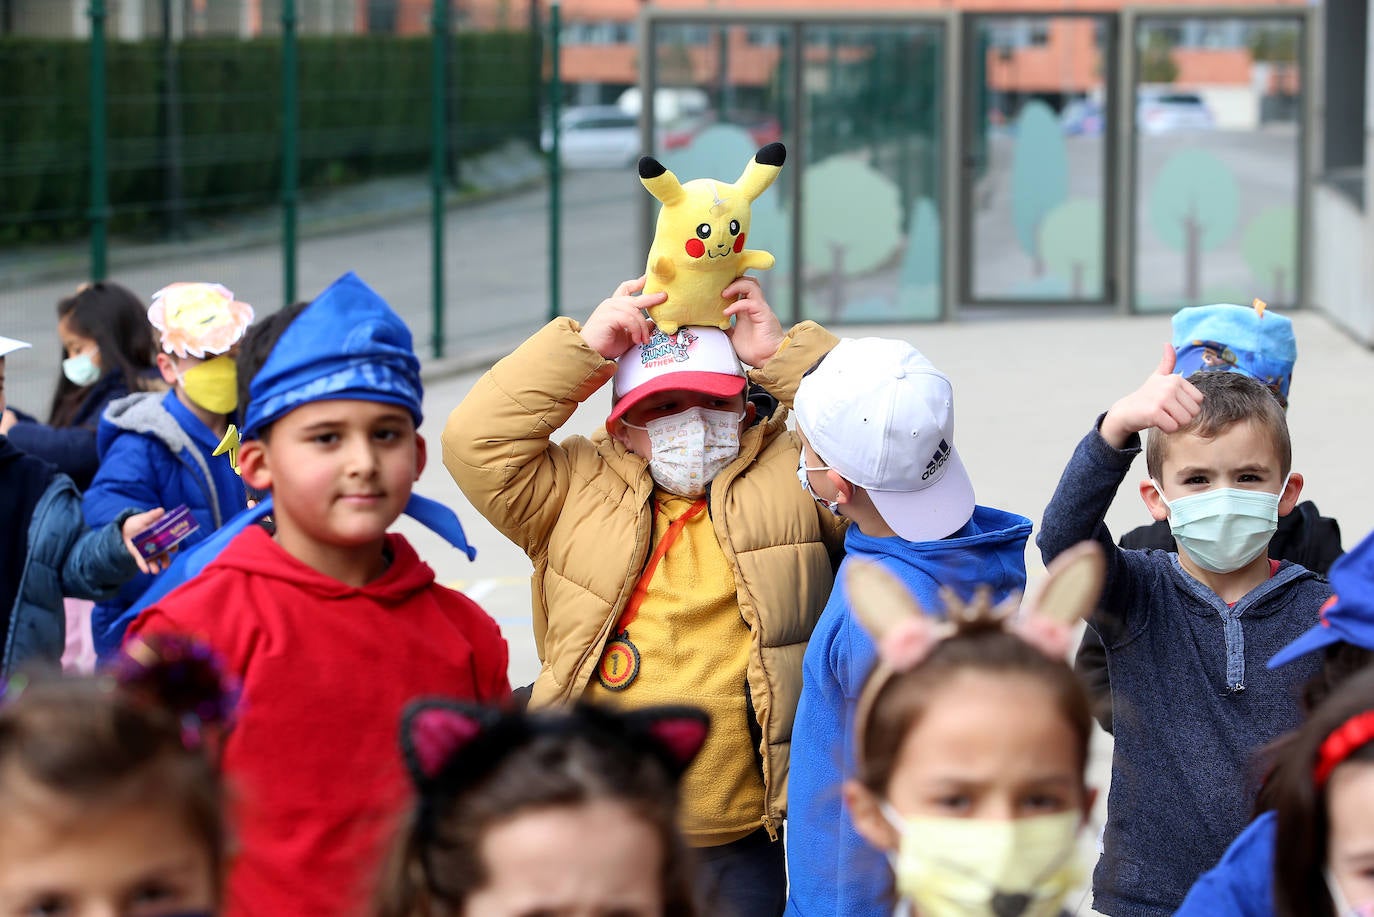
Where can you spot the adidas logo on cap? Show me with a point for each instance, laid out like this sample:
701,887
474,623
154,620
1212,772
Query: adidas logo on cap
937,460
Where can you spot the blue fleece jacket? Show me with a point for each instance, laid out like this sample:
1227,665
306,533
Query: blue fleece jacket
1191,695
155,452
1242,884
832,870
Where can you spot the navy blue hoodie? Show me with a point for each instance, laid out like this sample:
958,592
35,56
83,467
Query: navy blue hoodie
832,870
1191,695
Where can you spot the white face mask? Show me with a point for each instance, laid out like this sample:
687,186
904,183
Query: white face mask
803,475
1342,905
688,449
1226,528
968,867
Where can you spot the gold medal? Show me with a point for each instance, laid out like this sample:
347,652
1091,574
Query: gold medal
619,663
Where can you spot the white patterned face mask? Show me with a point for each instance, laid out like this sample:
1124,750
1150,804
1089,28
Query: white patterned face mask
688,449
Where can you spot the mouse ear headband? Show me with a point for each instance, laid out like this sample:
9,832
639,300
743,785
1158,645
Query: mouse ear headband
906,633
448,745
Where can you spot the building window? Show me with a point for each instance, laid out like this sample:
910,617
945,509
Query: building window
1343,128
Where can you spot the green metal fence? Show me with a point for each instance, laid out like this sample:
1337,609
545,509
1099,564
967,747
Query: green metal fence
172,132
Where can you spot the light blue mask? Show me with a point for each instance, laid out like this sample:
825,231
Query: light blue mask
1224,529
80,370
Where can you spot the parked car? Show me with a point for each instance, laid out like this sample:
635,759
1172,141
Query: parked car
1166,112
595,137
1082,117
763,128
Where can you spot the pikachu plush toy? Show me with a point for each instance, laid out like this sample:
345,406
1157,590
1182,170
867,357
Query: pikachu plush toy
698,248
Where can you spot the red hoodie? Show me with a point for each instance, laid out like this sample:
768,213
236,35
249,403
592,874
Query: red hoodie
313,762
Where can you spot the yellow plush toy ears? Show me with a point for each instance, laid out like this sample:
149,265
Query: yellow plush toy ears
757,176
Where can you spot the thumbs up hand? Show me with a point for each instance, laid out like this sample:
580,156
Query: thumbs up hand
1165,401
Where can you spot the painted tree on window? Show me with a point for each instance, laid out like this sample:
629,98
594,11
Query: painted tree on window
918,284
1270,248
1193,209
1071,244
852,222
1039,176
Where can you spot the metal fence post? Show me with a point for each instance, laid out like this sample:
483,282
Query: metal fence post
438,155
100,191
555,167
290,148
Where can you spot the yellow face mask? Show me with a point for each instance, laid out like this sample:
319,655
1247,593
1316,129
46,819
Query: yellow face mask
964,867
213,385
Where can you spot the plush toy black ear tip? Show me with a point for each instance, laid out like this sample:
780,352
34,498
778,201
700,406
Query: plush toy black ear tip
649,167
772,155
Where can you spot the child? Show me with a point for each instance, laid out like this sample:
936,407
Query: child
1189,632
46,550
972,744
1255,342
1241,884
109,353
675,558
333,624
877,427
111,803
510,805
1325,806
159,449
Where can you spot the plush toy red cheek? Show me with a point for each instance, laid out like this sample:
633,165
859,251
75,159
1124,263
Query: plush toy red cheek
695,248
739,243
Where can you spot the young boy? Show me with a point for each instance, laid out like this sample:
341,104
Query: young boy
333,624
1189,633
47,552
158,449
675,558
1257,342
877,426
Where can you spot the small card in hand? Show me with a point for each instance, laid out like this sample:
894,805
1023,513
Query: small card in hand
166,533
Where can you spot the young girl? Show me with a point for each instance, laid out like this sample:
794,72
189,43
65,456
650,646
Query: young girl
549,813
110,352
972,745
1323,793
109,802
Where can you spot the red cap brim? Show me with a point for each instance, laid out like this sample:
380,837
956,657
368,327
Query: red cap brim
720,385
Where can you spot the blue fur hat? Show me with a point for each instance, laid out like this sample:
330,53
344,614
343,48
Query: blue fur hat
1244,339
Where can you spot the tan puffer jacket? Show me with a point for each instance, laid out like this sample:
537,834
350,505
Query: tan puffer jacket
581,511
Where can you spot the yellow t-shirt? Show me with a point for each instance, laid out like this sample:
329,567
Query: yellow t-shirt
687,644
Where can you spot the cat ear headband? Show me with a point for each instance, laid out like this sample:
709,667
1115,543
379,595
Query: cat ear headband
450,744
905,633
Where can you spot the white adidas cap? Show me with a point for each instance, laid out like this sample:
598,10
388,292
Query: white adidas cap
698,359
882,415
10,345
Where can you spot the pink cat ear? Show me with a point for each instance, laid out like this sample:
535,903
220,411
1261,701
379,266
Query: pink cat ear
435,734
679,732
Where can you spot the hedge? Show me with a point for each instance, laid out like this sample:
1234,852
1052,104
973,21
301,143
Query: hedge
364,112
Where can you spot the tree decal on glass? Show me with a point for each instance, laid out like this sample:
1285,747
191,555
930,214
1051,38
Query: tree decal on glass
1193,210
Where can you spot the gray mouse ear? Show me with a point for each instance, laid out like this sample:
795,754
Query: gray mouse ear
878,598
1072,587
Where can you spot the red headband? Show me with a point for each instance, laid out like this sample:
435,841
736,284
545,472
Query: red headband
1344,741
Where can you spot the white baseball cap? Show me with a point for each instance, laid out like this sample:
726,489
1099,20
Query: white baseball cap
882,415
10,345
697,359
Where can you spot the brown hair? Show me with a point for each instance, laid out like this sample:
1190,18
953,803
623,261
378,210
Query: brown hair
980,645
525,763
96,745
117,321
1227,399
1301,806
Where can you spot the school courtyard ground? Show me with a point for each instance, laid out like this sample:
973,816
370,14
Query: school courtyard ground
1028,384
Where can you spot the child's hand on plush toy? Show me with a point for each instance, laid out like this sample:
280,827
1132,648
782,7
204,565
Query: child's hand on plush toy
619,323
757,334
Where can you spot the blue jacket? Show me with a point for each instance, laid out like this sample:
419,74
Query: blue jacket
833,871
155,452
1242,884
60,557
1191,695
72,448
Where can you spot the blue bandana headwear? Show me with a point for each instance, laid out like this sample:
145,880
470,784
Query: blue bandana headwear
347,344
1247,340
